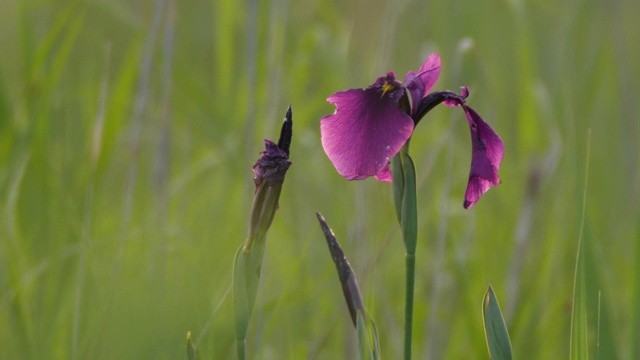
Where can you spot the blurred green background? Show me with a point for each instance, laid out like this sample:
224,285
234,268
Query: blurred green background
128,131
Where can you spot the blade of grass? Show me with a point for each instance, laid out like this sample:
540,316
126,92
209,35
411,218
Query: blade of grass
578,344
19,320
86,226
373,330
634,338
191,348
142,93
598,331
364,345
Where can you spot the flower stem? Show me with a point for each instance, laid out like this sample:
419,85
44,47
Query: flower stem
408,304
404,190
240,349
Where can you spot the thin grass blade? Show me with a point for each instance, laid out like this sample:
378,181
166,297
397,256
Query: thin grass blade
364,342
191,348
579,345
373,330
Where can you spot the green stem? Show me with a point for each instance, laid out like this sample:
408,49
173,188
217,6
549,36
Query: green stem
240,349
408,305
404,183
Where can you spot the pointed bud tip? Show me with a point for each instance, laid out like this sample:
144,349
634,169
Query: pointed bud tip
286,132
467,204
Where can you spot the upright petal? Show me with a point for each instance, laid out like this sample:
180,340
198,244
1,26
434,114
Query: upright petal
420,83
486,156
430,71
366,130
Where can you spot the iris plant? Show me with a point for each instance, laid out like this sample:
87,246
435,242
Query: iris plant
372,127
269,171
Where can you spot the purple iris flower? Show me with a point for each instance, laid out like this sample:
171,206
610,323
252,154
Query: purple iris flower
370,126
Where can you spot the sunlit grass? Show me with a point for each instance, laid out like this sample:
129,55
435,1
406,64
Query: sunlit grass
97,264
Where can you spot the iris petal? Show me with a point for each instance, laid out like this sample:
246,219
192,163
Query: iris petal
430,71
486,156
420,83
366,130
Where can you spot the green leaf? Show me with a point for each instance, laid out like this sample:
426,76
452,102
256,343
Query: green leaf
397,174
374,338
403,172
495,329
246,277
579,343
635,299
364,342
241,308
191,348
409,222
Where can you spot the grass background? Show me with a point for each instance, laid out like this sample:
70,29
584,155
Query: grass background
128,131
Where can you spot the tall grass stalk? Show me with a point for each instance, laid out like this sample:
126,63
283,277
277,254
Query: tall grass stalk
578,343
141,97
96,147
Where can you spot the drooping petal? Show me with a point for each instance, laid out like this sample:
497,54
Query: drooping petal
421,82
432,100
366,130
486,156
464,93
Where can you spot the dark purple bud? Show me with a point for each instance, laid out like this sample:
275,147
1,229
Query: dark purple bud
286,133
274,162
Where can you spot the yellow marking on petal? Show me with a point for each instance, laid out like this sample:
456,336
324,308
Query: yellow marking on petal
386,87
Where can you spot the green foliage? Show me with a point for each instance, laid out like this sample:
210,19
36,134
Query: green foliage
364,340
495,330
246,278
579,346
368,342
191,348
407,205
130,245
